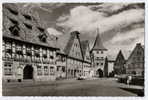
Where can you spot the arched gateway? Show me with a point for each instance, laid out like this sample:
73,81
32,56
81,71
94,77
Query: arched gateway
28,72
100,72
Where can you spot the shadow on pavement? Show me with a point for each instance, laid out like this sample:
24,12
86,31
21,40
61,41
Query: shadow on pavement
139,92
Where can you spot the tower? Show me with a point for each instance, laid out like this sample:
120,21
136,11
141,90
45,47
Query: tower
98,53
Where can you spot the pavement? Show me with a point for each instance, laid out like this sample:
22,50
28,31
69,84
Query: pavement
70,87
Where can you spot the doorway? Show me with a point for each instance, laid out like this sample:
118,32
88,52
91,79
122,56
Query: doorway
100,72
28,72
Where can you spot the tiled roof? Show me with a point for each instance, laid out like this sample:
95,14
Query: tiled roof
29,24
98,45
65,42
84,45
138,46
120,56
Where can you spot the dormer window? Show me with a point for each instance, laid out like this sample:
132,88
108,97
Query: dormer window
41,29
13,21
13,11
28,17
43,37
14,30
28,26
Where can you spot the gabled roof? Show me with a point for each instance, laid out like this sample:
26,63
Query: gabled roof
138,46
65,42
84,45
98,45
120,56
25,34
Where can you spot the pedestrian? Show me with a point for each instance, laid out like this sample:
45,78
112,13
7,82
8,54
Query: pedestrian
129,79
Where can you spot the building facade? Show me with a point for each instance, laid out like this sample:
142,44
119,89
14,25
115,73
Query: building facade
61,65
28,51
87,69
98,55
135,62
70,45
119,65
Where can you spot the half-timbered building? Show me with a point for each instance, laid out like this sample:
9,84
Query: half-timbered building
87,69
71,46
135,62
119,64
28,50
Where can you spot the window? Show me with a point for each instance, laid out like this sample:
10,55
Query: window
14,30
13,21
28,51
41,29
97,64
19,49
28,17
8,49
39,70
43,37
58,67
101,52
51,70
97,58
37,52
46,70
7,69
13,11
101,63
51,57
44,53
97,52
28,26
63,69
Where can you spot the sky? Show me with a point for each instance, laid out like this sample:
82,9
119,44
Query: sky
120,25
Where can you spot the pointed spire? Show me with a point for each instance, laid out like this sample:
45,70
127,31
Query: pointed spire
98,45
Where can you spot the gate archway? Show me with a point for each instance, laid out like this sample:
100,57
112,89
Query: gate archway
100,72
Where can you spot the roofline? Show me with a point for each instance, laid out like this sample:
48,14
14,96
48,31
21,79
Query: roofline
111,60
30,42
62,53
133,52
76,58
99,49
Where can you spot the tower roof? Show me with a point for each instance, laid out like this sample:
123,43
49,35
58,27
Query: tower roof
98,45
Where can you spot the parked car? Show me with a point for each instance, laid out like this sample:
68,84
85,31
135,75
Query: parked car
81,78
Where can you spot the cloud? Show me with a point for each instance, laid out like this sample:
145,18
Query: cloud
108,7
114,8
128,37
80,18
125,41
84,19
121,30
53,31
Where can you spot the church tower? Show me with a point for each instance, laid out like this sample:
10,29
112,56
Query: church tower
98,54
